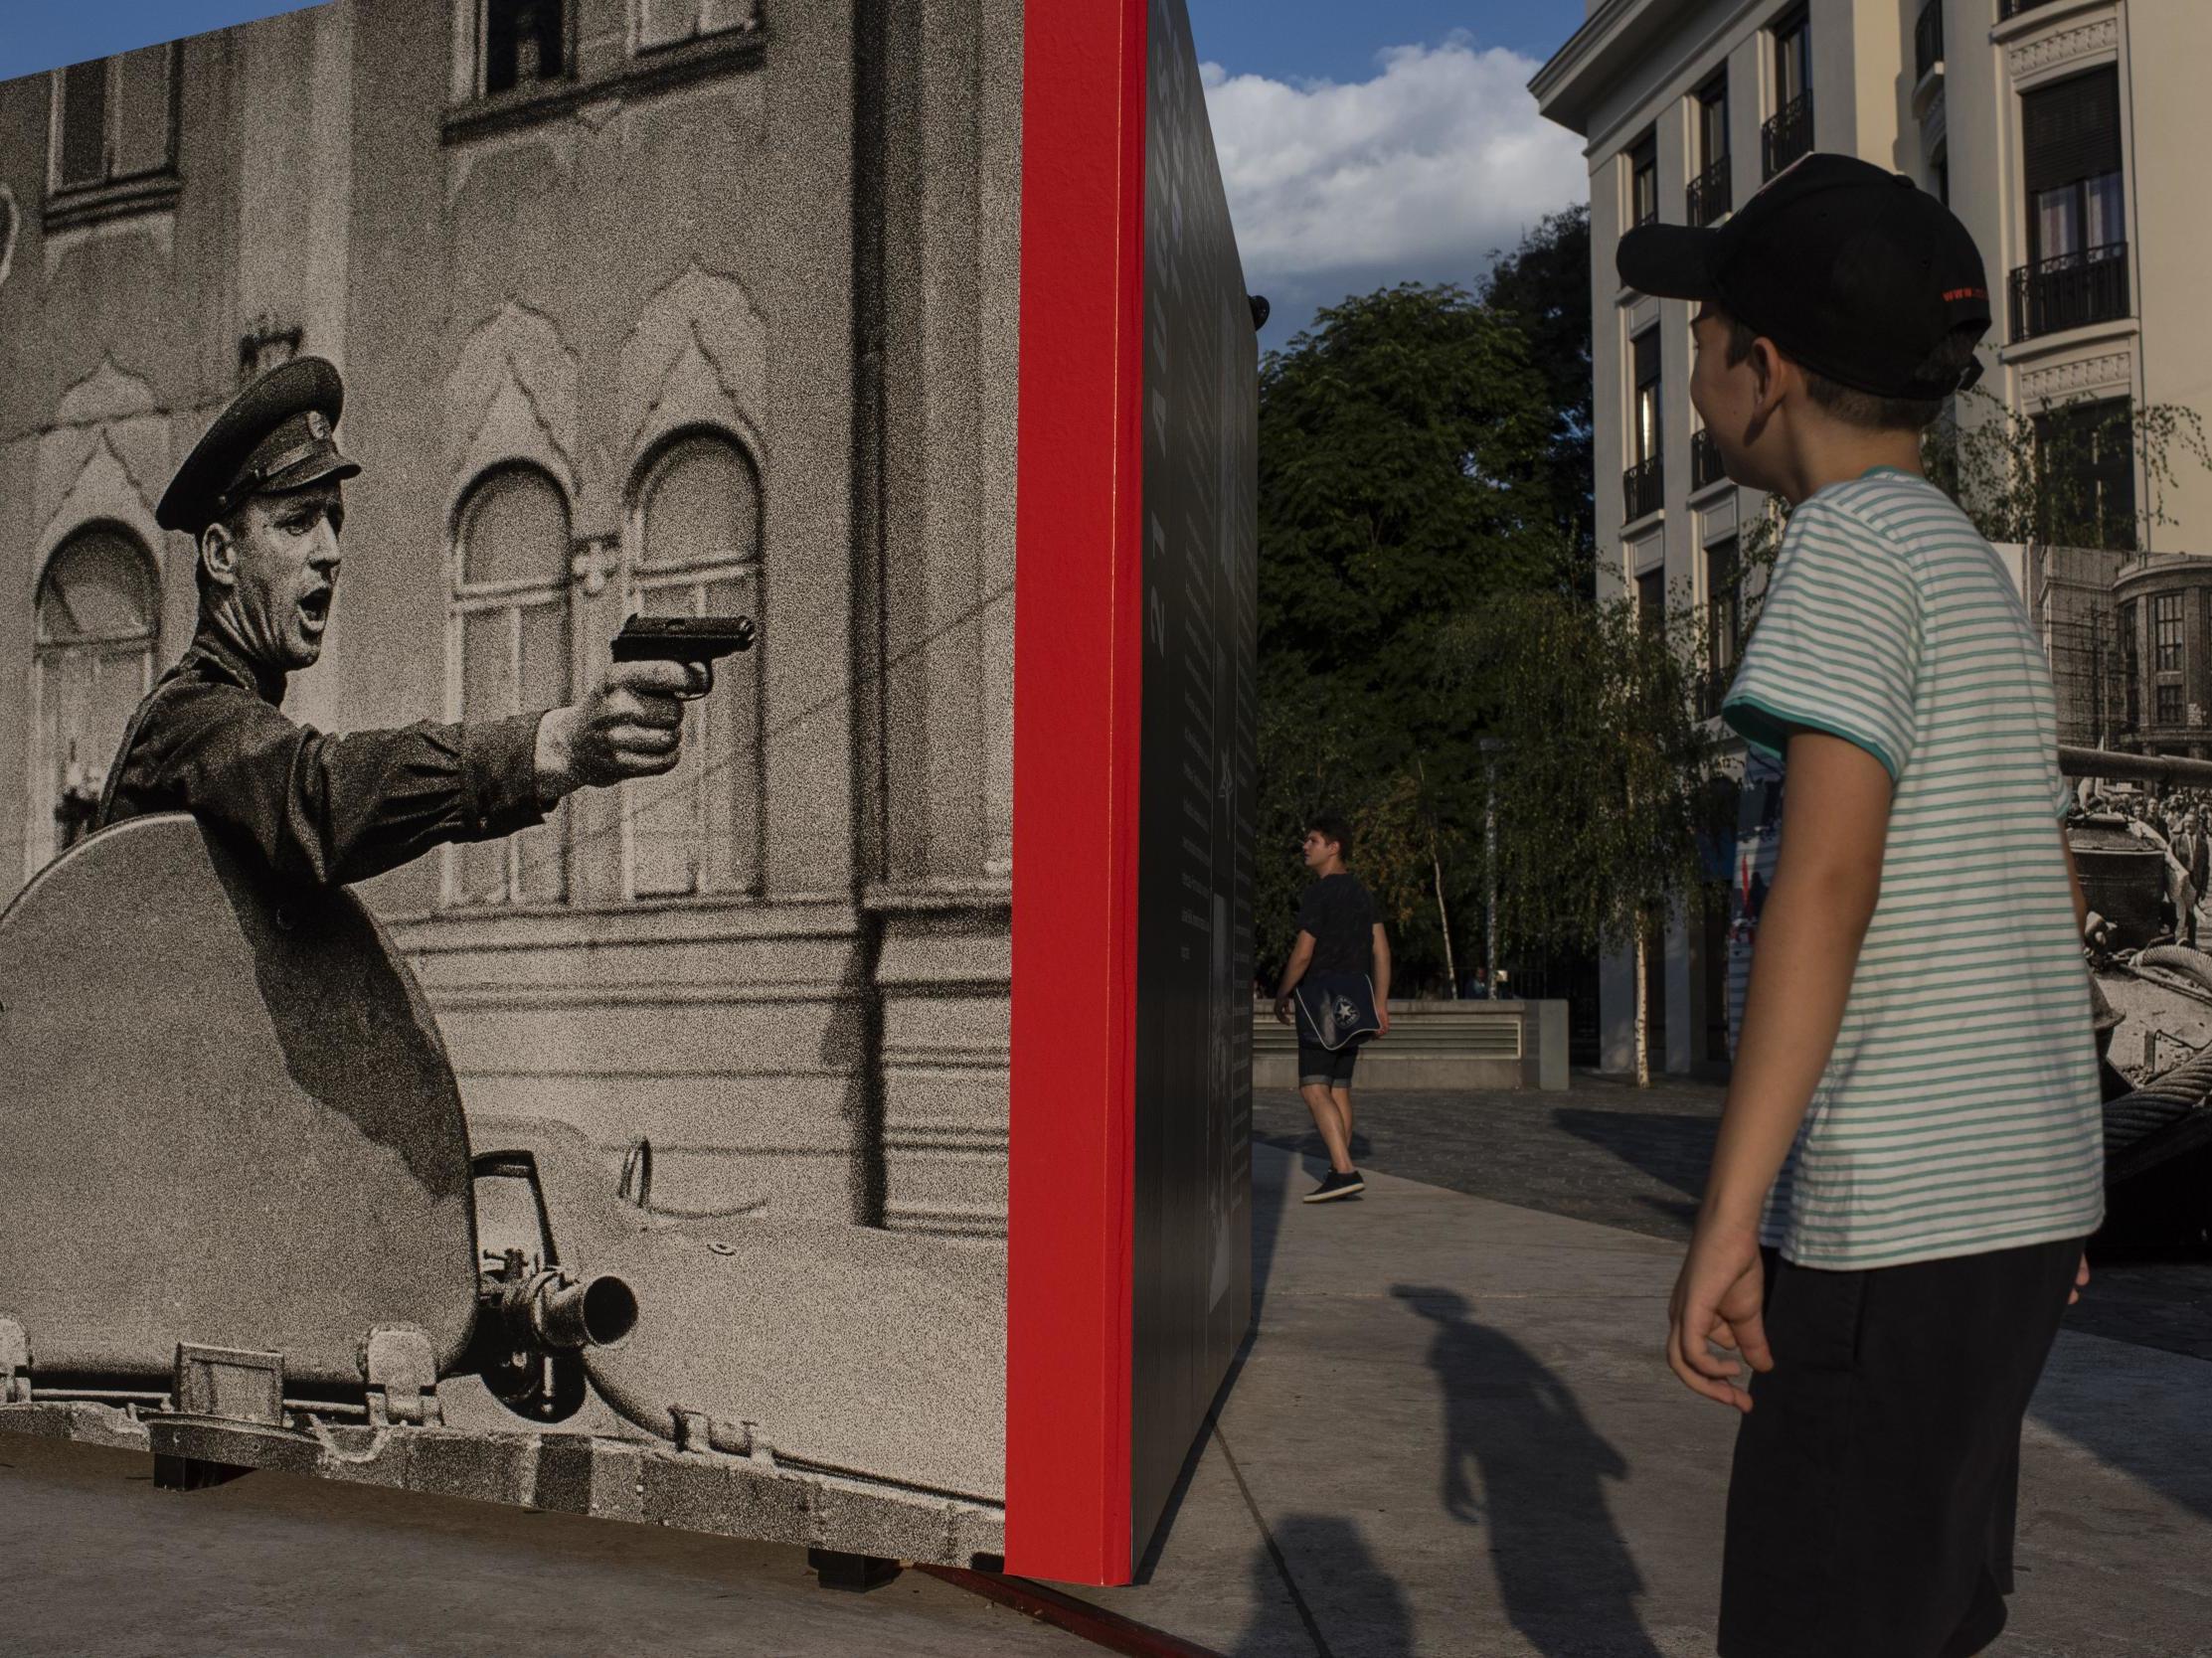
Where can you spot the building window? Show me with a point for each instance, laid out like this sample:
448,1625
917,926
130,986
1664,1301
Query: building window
1709,194
2086,462
1644,181
1643,483
2077,269
672,22
2166,632
1651,601
510,643
1787,134
2169,705
694,549
93,660
525,42
1723,617
1939,173
1928,40
114,118
1649,427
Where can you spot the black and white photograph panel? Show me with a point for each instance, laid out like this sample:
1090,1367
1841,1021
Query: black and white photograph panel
506,819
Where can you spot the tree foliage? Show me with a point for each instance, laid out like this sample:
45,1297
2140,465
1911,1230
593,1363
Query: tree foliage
1606,775
1542,288
1405,447
2037,479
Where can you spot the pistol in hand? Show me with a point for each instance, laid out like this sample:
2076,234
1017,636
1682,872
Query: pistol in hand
700,640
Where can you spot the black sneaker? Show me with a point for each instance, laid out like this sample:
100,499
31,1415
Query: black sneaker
1335,1185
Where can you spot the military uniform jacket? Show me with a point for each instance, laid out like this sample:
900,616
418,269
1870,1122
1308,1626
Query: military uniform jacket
211,739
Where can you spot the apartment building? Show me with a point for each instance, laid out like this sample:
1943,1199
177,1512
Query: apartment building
2065,133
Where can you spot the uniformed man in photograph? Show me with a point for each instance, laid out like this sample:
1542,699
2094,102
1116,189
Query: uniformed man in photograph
263,497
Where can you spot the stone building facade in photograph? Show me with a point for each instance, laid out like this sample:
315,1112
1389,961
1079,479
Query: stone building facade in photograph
684,306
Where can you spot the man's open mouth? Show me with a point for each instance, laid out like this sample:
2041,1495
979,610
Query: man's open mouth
314,610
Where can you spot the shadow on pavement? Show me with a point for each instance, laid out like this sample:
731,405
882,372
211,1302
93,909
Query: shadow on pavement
2168,1456
1565,1575
1674,1148
1369,1615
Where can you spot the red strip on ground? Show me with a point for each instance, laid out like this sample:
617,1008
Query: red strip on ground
1077,1616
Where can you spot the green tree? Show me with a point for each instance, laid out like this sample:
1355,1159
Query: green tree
1607,804
1404,447
2045,478
1542,288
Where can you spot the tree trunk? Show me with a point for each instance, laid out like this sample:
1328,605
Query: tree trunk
1450,967
1443,918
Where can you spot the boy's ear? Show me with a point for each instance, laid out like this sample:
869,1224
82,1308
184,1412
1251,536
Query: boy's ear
1767,365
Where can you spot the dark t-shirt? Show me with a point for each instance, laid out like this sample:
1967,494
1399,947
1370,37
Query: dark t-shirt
1341,916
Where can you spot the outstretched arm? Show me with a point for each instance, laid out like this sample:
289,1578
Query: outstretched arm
333,809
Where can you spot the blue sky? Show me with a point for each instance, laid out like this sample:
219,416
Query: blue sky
1364,142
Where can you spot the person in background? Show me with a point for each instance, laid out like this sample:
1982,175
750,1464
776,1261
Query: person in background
1340,946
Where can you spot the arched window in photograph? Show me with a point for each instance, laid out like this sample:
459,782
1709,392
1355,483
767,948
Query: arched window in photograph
695,551
510,652
99,609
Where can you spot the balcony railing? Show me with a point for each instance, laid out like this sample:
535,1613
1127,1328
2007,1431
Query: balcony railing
1788,134
1928,40
1710,194
1705,460
1644,488
2070,291
2013,8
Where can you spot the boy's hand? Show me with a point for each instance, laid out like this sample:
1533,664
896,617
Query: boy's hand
2081,1281
1717,1299
1283,1009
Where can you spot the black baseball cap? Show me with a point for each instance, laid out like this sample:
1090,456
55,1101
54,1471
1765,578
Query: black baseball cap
1855,272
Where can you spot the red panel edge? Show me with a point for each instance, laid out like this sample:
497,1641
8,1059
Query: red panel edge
1078,657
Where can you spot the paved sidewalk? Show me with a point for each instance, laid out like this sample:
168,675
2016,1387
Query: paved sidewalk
1610,1152
100,1565
1453,1436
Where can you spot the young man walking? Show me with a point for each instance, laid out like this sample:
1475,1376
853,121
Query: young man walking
1336,989
1912,1129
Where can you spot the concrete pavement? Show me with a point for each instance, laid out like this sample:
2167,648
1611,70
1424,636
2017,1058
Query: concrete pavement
1453,1436
94,1562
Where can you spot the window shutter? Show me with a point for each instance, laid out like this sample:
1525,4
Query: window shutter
2071,131
1646,348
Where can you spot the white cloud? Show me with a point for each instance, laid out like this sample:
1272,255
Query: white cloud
1413,175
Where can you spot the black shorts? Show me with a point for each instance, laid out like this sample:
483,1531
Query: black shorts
1870,1510
1330,1066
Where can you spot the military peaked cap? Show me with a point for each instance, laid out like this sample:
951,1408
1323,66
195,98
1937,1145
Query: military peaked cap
276,435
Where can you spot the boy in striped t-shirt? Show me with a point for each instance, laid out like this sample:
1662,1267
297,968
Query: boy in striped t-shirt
1912,1129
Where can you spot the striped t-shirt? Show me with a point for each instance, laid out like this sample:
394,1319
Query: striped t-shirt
1960,1111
